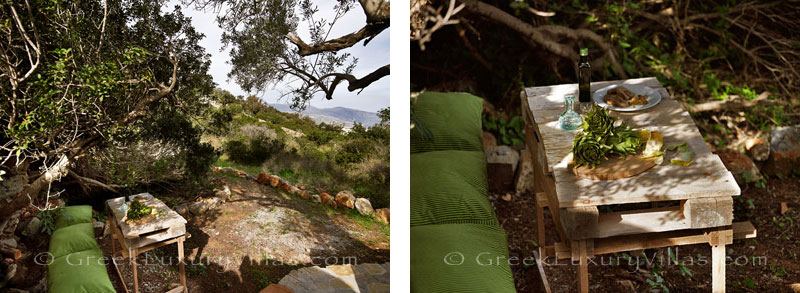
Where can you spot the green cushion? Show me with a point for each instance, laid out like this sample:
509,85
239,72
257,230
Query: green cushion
449,187
453,121
79,272
72,215
436,259
71,239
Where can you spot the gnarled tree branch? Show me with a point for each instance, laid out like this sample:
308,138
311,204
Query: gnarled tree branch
353,82
377,12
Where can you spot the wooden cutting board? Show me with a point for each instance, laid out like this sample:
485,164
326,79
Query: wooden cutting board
614,168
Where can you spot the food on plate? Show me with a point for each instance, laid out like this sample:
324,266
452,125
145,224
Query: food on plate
624,98
139,198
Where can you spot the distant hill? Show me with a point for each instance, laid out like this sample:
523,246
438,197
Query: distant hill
338,115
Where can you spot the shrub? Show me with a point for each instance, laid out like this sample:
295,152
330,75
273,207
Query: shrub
354,151
254,145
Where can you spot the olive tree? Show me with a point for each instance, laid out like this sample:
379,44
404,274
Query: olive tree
266,49
80,75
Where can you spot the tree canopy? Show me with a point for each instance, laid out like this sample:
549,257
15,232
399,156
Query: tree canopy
266,48
83,74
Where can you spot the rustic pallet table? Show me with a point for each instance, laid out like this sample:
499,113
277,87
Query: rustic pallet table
684,205
135,239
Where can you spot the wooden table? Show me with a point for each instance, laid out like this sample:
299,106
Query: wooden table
139,238
696,204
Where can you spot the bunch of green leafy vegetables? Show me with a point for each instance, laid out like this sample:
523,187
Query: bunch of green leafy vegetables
138,210
600,138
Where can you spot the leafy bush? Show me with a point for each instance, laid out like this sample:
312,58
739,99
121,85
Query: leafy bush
254,149
354,151
507,132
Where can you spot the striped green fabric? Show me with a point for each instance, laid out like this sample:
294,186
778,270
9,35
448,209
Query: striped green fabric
449,187
453,121
460,258
75,262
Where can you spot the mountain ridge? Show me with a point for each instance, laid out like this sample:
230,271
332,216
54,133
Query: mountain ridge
336,115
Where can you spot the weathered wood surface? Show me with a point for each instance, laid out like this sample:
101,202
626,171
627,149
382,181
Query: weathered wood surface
171,223
709,212
615,168
623,243
705,177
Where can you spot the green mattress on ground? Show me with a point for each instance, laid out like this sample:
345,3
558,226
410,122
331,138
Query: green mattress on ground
460,258
457,244
75,263
449,187
452,120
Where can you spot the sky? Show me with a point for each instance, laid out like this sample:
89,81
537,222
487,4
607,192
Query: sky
370,58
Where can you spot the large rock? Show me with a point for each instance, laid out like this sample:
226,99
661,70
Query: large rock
316,198
345,198
223,194
785,147
274,180
501,164
382,215
741,166
327,199
263,178
364,207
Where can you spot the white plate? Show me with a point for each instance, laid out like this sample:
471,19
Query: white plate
653,97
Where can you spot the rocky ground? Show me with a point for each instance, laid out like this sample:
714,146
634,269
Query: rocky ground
258,236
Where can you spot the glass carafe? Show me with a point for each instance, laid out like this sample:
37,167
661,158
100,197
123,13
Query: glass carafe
569,120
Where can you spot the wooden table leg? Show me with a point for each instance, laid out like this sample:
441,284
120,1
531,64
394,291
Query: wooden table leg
180,263
583,268
540,230
132,253
718,268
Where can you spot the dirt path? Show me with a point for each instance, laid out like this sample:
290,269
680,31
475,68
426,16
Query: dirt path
768,263
255,238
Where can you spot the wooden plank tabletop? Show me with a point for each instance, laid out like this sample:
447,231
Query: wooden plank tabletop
705,177
172,218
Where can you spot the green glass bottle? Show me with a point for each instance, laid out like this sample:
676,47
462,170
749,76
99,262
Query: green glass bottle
584,79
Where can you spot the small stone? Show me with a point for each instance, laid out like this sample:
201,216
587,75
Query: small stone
507,197
345,198
8,242
274,181
302,187
223,194
741,166
181,209
327,199
382,215
294,190
489,140
316,198
627,284
304,195
785,148
795,287
284,185
33,227
263,178
99,227
213,202
198,208
364,207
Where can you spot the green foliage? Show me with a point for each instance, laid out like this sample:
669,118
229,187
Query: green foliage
253,150
507,132
599,138
354,151
48,218
137,210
